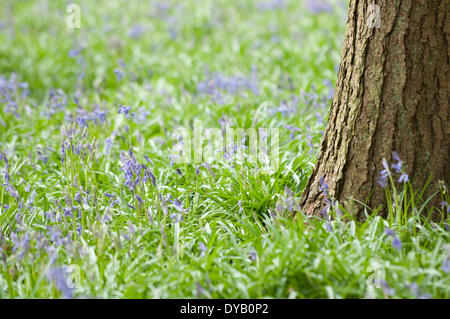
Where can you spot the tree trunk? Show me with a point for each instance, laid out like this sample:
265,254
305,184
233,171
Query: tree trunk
392,94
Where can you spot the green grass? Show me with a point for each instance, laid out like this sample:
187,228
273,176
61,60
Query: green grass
237,237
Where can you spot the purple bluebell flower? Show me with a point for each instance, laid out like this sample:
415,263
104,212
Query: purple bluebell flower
396,243
108,145
59,277
82,121
289,201
78,198
329,84
136,31
57,102
241,209
444,204
148,159
319,6
119,74
203,248
125,110
271,5
132,169
389,232
323,186
382,179
176,217
79,230
74,52
446,266
49,215
398,166
68,212
216,84
178,206
404,178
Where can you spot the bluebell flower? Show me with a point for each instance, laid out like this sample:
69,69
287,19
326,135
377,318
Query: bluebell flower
203,248
68,212
271,5
49,216
178,206
108,145
404,178
82,121
444,204
398,165
318,6
136,31
125,110
396,243
176,217
78,198
216,84
59,276
119,74
57,102
241,209
79,230
382,178
74,52
132,169
389,232
323,186
446,266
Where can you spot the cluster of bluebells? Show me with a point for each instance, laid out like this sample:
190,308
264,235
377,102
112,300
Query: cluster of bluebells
396,242
319,6
97,116
126,111
119,72
313,99
178,216
286,108
216,84
57,102
10,90
398,168
8,185
271,5
136,31
324,188
135,172
59,277
69,144
287,204
445,207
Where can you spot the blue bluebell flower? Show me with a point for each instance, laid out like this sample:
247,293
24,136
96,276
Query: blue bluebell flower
119,74
319,6
125,110
446,266
59,276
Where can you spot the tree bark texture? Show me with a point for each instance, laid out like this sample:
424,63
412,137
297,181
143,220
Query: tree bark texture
392,94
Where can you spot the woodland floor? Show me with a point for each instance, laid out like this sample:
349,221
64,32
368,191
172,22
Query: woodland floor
96,203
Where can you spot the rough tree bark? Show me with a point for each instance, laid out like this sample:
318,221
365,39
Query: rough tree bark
392,94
